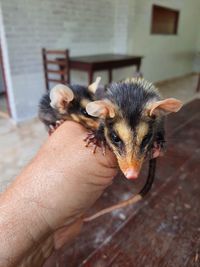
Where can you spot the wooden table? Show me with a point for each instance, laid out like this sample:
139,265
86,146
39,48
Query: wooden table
108,62
163,229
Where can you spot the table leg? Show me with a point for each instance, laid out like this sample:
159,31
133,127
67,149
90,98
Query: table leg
198,84
110,75
68,78
90,76
138,73
138,66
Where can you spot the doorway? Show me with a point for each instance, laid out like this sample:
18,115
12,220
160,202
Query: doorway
4,101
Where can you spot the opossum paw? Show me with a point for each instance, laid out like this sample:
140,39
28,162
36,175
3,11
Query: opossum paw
91,138
157,150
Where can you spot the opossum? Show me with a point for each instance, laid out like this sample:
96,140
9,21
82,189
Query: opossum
132,123
129,119
68,102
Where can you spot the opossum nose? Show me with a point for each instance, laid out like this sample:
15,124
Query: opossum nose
131,173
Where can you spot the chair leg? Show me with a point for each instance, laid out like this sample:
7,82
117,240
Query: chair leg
110,75
90,76
45,68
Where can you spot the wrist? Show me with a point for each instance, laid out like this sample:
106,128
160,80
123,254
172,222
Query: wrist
22,226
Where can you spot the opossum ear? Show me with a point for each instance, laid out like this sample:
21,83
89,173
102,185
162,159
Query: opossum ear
93,87
164,107
60,97
101,109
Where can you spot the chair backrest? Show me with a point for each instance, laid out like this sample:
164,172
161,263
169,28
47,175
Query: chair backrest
56,66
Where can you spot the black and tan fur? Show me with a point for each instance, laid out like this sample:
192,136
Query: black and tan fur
133,124
68,103
131,116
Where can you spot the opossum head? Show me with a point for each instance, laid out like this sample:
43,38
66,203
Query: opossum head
71,101
132,115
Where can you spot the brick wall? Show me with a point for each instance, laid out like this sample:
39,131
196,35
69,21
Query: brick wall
83,26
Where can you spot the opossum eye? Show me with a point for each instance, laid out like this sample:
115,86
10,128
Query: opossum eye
115,138
146,141
84,112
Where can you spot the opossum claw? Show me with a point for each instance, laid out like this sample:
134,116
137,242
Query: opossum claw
92,139
52,127
58,123
94,149
103,148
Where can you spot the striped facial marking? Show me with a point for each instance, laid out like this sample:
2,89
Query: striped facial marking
81,116
141,132
126,144
84,102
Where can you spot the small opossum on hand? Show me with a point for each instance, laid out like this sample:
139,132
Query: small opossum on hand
68,103
129,119
132,122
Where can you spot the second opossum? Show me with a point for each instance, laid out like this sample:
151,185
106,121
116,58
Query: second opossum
68,103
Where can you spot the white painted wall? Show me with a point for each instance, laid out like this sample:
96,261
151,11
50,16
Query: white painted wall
198,40
165,56
197,55
4,48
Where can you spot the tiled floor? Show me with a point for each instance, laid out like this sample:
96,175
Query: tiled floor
19,144
183,89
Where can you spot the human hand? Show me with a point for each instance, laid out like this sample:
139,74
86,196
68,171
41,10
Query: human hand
60,184
72,176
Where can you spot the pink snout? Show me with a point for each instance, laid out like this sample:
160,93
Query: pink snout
130,173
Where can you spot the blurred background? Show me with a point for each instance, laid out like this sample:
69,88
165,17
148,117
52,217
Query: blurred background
88,27
159,38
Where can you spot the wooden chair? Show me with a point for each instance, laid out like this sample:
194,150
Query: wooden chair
59,59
